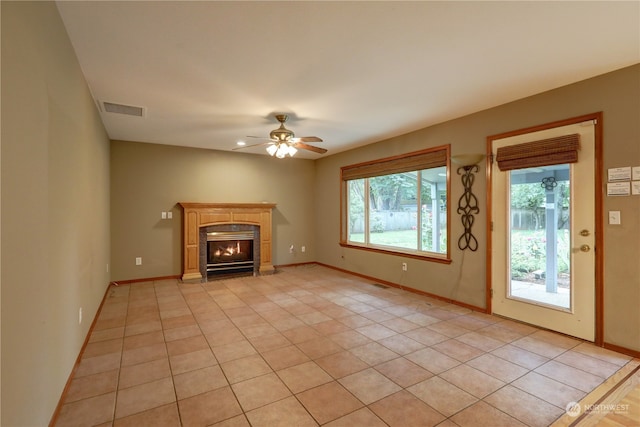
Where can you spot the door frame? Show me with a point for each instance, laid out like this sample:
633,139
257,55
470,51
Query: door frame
598,214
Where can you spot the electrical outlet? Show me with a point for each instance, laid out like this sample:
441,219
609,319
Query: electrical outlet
303,249
138,260
291,249
80,316
404,266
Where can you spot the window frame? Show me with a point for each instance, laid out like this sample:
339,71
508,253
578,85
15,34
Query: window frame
377,168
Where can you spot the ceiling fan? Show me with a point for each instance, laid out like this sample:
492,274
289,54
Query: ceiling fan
282,141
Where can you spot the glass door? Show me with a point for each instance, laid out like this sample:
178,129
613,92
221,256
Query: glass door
540,236
543,259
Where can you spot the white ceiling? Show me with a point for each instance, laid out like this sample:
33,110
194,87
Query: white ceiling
209,73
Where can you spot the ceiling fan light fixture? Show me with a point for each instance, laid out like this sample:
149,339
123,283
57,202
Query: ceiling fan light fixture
271,149
282,152
282,141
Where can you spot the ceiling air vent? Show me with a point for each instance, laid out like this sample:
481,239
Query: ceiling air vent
129,110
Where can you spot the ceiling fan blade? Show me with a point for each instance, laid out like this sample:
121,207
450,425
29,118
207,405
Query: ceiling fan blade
307,139
242,147
310,147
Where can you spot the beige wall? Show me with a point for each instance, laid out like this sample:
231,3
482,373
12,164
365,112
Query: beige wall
147,179
617,94
55,211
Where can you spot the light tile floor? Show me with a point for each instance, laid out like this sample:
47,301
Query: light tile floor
311,346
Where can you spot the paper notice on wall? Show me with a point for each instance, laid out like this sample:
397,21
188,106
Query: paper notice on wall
620,174
635,188
618,189
635,173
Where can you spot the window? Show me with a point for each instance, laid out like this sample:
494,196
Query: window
398,204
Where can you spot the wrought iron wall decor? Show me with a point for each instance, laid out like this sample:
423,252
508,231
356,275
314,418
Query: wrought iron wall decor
467,208
549,183
468,202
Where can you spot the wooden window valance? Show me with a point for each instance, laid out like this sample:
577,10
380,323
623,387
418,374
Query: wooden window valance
552,151
415,161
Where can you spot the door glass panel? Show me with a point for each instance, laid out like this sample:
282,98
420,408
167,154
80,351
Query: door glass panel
540,240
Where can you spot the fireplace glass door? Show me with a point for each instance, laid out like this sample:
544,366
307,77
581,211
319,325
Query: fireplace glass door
229,252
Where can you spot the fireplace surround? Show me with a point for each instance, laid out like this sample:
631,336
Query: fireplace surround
200,218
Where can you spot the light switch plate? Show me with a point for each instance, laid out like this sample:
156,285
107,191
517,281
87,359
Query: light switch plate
614,217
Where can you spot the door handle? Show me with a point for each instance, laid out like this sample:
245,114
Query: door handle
585,248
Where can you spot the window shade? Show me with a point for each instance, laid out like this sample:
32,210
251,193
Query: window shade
418,160
552,151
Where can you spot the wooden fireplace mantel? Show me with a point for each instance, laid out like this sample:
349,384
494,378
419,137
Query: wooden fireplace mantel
197,215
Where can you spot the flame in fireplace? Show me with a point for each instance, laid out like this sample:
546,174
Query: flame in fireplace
229,250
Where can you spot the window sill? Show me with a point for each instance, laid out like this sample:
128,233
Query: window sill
409,254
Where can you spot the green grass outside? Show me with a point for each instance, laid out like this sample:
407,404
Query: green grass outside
402,238
397,238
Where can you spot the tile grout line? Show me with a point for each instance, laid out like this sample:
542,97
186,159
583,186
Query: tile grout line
124,332
214,356
124,335
164,339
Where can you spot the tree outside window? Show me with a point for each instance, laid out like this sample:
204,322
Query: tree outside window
403,211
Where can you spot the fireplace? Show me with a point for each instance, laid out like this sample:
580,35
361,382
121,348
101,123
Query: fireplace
200,218
229,252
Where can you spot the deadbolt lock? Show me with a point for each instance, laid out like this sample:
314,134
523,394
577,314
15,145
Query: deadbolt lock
584,233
